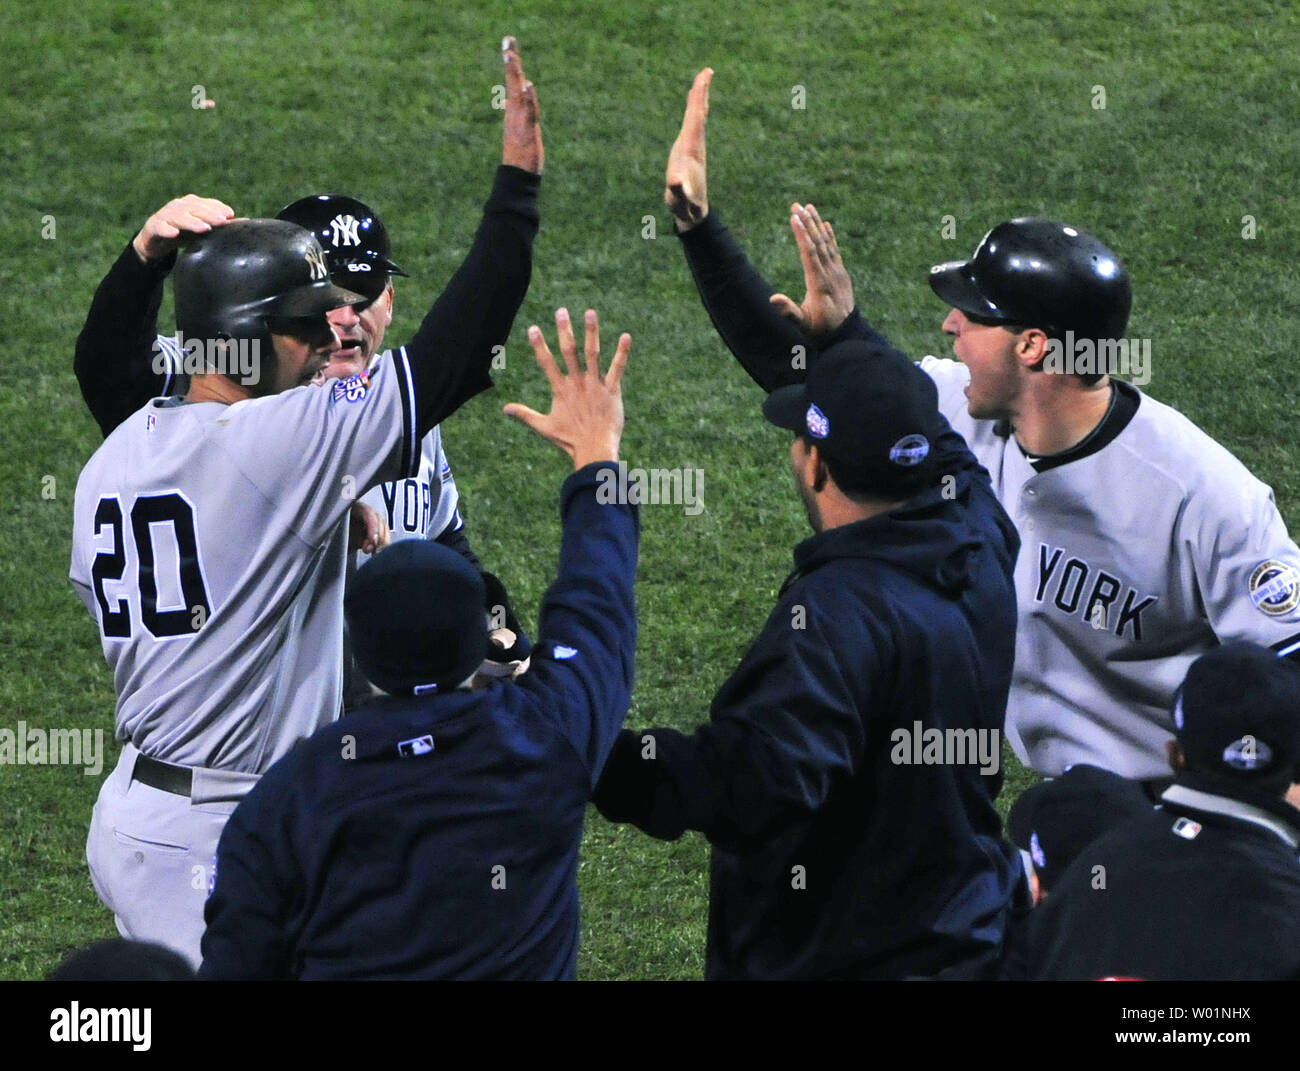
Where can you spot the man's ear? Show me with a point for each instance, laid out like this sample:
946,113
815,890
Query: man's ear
387,299
819,472
1031,348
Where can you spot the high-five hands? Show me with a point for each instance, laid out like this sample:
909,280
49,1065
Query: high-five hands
523,128
586,417
686,187
828,299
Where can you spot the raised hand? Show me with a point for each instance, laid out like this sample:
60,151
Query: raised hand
523,128
191,214
829,291
686,186
586,417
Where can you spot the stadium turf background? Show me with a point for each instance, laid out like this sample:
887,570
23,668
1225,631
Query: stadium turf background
912,112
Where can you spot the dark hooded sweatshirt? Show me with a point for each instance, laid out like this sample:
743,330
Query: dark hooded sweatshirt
836,854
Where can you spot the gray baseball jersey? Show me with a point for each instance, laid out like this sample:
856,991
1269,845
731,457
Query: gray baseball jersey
209,544
422,507
1135,558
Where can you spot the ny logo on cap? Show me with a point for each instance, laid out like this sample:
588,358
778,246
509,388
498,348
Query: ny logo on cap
345,230
316,261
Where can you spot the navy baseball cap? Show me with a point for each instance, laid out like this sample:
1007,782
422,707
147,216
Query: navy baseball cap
1237,716
872,414
415,618
1055,820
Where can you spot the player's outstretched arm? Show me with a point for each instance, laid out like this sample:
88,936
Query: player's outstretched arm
119,362
466,329
582,662
756,324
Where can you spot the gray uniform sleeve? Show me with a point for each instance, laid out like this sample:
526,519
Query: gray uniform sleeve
1247,567
313,450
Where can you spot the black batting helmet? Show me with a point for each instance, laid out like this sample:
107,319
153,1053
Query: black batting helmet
353,236
231,281
1040,273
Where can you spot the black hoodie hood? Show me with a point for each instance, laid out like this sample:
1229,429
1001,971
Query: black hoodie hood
929,536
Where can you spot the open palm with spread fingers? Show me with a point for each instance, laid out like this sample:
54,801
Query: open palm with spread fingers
829,291
586,417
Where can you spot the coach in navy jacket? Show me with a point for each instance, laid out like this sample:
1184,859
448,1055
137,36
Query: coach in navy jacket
845,845
1206,886
435,832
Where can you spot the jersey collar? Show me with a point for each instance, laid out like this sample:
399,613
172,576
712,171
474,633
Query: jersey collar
1124,401
1184,795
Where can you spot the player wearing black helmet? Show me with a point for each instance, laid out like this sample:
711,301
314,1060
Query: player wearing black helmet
121,363
1144,542
209,540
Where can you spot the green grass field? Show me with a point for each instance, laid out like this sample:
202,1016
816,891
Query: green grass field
913,112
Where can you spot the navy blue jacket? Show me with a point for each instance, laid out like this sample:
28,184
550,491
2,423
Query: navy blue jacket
831,858
1206,887
457,859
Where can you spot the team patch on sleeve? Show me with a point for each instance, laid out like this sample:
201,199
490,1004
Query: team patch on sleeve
352,389
1275,588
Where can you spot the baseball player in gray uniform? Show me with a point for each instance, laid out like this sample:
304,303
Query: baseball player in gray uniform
1145,542
118,373
209,541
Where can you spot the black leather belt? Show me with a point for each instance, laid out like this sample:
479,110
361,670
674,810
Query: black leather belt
162,775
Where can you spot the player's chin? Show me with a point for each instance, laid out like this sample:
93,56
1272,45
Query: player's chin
342,364
979,409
